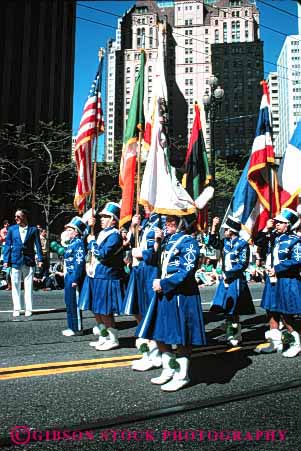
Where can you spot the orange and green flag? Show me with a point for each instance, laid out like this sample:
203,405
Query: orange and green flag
134,124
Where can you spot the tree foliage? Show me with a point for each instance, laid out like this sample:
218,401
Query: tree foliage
37,172
226,178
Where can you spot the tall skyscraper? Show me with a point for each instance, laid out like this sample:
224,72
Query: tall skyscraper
274,101
289,80
37,57
203,37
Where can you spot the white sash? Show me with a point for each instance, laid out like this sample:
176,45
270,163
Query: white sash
91,266
167,255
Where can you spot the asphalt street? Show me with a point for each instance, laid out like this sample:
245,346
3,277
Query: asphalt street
66,395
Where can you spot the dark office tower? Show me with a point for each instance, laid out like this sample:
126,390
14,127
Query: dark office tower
239,68
37,58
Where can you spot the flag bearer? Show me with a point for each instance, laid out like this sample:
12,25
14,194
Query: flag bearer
232,296
107,277
140,291
282,293
175,316
74,264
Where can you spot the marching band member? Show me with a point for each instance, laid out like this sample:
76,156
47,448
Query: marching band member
281,297
107,276
74,263
232,296
174,316
140,291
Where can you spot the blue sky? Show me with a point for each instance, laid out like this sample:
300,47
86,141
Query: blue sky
90,36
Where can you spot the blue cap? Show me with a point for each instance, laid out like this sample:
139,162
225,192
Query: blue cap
111,209
289,216
77,224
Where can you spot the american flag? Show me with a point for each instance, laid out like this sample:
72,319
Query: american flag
91,125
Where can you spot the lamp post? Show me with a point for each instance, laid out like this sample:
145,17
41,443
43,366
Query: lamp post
212,102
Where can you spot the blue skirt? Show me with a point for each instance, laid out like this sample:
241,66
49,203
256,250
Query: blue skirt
235,299
86,294
139,291
269,301
283,297
176,319
107,296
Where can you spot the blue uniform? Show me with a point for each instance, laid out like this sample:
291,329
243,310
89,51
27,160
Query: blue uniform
233,295
284,296
106,276
139,290
74,261
175,315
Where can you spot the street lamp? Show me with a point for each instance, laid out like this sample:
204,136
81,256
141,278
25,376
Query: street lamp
212,102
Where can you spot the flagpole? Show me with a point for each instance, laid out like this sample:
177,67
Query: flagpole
93,201
138,183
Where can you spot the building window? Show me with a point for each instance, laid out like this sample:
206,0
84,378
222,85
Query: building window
128,70
216,36
216,22
225,31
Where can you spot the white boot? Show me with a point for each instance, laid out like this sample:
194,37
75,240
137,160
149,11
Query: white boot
167,372
274,337
150,359
111,341
180,377
233,333
294,347
97,330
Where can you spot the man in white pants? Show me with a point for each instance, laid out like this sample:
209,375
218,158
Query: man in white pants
21,243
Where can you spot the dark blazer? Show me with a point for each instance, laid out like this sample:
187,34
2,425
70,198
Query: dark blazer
17,253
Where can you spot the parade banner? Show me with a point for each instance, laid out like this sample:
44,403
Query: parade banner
289,171
91,125
160,190
134,125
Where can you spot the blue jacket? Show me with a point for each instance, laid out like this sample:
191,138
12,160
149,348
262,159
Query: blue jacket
287,255
236,258
180,258
74,258
236,255
17,253
108,251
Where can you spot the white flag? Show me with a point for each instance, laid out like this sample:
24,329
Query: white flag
160,189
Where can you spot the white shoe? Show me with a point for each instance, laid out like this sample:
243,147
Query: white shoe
68,333
150,359
294,347
274,337
233,334
28,313
180,377
167,372
175,384
100,341
16,313
107,345
111,341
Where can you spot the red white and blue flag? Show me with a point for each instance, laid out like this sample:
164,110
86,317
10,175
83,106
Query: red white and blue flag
289,171
91,125
256,197
261,173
